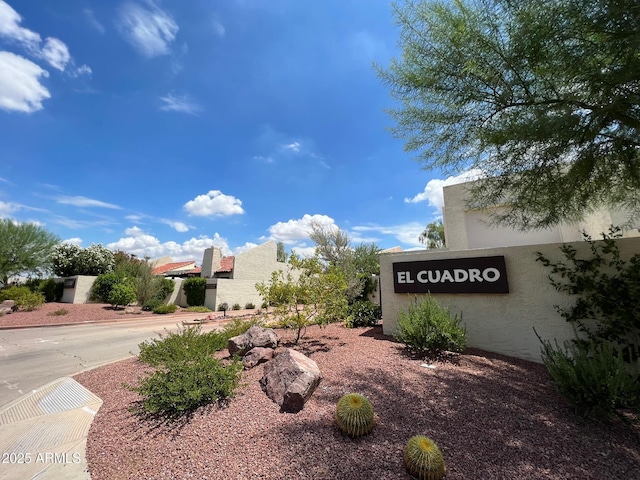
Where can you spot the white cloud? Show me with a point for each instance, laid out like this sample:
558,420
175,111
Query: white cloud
406,233
56,53
10,28
182,104
262,158
149,29
82,70
73,241
177,226
433,190
293,231
80,201
292,147
7,208
93,21
244,248
144,245
214,203
20,88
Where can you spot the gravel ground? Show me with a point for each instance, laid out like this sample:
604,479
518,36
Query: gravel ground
494,417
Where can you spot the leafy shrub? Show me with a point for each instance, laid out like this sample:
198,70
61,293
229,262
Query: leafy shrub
25,299
363,313
69,260
594,379
164,309
33,284
151,304
237,327
51,290
122,294
427,328
223,307
166,288
200,309
264,305
236,306
195,290
187,374
249,306
104,284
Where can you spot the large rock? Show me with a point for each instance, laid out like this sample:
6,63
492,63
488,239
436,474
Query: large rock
256,336
257,355
7,306
290,379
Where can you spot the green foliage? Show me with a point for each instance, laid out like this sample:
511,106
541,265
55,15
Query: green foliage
354,415
363,313
236,306
236,327
129,265
608,289
305,294
223,307
70,260
593,379
541,96
423,459
427,328
51,290
122,294
60,312
24,248
103,285
195,290
25,299
249,306
433,235
187,375
167,286
198,309
164,309
151,304
281,254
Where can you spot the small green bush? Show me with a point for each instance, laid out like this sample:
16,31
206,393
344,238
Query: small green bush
103,285
427,328
195,290
51,290
166,288
59,312
249,306
363,313
122,294
186,344
200,309
151,304
236,327
264,305
223,307
236,306
25,299
594,380
164,309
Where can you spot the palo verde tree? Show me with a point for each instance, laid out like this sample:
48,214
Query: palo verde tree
543,96
433,235
24,248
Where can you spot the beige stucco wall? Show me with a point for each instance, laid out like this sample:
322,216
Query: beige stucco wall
257,263
500,323
82,290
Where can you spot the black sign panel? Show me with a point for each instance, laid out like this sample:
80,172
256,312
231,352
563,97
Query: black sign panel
211,286
452,275
69,283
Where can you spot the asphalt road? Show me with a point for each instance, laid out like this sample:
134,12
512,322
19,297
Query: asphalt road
32,357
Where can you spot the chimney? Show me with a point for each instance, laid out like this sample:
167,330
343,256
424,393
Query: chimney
211,261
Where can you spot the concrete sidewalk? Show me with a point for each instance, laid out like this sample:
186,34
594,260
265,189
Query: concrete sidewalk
43,434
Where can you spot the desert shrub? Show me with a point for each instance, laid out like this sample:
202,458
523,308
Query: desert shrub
164,309
151,304
249,306
51,290
264,305
33,284
25,299
594,380
427,328
195,290
59,312
363,313
237,327
223,307
199,309
236,306
103,285
166,288
122,294
187,376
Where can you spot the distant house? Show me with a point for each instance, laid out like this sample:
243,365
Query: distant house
178,269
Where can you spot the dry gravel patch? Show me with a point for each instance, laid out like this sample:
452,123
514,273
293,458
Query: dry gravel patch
494,417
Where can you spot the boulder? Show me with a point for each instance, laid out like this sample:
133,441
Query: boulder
7,306
256,336
290,379
257,355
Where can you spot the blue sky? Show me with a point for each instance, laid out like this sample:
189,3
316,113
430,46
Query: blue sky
164,127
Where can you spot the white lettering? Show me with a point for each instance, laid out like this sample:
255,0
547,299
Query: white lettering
491,274
407,276
433,278
474,275
460,275
422,276
401,276
446,276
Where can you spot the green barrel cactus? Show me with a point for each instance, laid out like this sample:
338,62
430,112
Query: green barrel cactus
354,415
423,459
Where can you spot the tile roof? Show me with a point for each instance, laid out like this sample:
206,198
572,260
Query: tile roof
171,266
226,264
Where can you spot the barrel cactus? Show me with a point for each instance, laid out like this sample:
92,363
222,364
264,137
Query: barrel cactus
354,415
423,459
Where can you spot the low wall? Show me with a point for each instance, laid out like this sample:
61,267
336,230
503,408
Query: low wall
77,288
499,322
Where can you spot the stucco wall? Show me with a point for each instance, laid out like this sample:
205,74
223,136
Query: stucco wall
81,292
257,263
500,323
